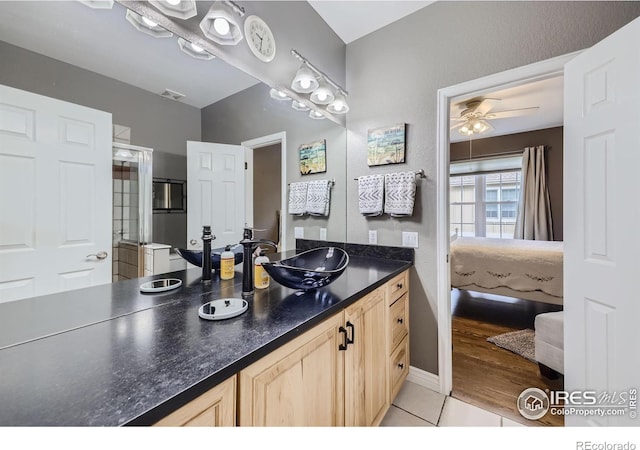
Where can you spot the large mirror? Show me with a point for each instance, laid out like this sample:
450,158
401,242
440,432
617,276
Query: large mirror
160,97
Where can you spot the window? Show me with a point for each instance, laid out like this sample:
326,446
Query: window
485,205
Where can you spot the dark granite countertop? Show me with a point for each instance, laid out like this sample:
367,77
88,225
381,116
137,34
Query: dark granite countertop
110,355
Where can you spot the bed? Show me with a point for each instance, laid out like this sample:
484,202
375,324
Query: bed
517,268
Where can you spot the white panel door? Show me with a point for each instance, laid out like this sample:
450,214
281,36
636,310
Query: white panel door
55,195
602,213
215,193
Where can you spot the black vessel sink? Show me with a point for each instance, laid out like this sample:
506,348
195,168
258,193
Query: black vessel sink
195,256
309,270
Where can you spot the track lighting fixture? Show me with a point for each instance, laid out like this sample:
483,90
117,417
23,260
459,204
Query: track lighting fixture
322,90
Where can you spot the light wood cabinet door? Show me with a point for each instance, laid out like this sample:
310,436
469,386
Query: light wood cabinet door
215,408
366,360
299,384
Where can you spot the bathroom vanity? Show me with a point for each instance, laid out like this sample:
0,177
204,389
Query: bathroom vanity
110,355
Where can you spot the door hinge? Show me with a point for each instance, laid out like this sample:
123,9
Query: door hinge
447,258
246,166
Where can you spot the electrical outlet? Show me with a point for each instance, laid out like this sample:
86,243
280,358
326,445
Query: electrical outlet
323,234
373,237
299,232
410,239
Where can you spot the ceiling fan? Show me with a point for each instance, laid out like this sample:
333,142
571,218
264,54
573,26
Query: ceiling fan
474,118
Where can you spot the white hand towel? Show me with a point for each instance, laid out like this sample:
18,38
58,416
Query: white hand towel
400,193
297,198
318,197
371,195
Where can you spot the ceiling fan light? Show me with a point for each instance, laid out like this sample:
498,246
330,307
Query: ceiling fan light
221,24
182,9
465,130
480,126
305,80
146,26
193,50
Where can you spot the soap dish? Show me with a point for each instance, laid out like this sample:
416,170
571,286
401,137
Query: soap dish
163,284
224,308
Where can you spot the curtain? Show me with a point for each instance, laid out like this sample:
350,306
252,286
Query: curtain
534,210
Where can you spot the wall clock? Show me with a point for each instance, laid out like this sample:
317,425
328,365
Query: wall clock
259,38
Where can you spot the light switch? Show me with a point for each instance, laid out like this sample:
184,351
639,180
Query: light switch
299,232
373,237
410,239
323,234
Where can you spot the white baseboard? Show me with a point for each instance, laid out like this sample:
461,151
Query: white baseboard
424,378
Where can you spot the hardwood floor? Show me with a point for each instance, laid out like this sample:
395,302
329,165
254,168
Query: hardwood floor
486,375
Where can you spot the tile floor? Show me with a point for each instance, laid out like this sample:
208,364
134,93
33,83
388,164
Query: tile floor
416,406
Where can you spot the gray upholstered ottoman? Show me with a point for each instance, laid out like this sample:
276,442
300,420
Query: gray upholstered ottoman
549,343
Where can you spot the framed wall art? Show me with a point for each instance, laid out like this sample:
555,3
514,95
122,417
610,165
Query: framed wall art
313,157
386,145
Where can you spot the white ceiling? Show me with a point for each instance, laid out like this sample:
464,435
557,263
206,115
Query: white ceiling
103,41
353,19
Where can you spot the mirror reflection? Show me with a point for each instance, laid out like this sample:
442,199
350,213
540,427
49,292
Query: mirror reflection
160,98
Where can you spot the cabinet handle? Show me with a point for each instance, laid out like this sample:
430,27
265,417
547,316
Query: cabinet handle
401,366
343,346
399,285
400,320
353,332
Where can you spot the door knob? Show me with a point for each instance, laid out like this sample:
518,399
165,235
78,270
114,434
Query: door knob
193,242
100,255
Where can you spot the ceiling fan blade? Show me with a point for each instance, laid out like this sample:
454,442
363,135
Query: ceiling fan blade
458,119
512,113
458,125
485,106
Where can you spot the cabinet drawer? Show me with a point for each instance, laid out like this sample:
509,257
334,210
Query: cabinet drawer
397,287
398,321
399,367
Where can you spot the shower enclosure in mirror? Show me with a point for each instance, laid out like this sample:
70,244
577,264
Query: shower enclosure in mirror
132,188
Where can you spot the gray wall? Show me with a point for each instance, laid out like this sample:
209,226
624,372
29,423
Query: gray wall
155,122
393,75
551,138
251,114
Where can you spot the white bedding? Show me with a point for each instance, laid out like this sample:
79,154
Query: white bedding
521,265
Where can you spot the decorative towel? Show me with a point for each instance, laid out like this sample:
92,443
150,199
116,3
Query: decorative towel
400,193
371,195
298,198
318,197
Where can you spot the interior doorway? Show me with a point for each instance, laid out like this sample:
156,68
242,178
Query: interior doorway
484,86
266,188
